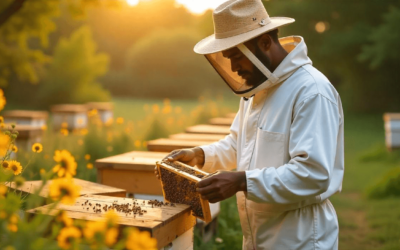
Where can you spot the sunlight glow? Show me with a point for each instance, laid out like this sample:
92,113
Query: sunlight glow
199,6
132,2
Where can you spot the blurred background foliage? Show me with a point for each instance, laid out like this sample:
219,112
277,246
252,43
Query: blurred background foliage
84,50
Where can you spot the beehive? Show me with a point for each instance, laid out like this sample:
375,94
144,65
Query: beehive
196,137
170,224
132,171
27,135
72,115
26,117
221,121
168,145
87,187
208,129
392,130
178,183
104,109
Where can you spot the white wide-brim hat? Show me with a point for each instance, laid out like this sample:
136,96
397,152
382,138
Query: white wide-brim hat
236,22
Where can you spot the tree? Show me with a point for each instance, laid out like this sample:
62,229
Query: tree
22,22
71,77
164,64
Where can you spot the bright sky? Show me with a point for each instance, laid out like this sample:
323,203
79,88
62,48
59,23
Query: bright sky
194,6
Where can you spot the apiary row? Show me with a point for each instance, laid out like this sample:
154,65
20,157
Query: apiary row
127,185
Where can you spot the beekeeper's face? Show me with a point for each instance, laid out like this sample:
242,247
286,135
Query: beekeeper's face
237,69
243,66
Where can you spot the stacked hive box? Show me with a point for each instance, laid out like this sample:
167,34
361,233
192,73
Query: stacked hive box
27,136
36,119
392,130
133,171
104,109
69,116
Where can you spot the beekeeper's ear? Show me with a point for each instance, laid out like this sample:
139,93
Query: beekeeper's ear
264,42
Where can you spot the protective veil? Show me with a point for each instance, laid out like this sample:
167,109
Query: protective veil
261,78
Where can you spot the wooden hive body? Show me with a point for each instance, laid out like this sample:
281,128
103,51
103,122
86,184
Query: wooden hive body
165,223
179,186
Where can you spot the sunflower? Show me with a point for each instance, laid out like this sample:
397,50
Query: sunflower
67,236
2,100
120,120
12,225
4,143
87,157
93,229
66,166
64,189
1,119
137,240
111,236
14,149
64,131
3,191
5,165
37,147
15,167
63,217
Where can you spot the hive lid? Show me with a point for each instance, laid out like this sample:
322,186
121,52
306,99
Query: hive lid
69,108
26,114
102,106
178,182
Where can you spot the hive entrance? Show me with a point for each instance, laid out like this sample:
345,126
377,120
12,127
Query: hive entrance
179,181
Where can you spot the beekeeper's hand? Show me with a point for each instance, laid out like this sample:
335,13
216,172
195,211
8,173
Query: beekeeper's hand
222,185
192,157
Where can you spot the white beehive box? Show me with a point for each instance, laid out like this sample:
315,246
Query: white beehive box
392,130
104,109
74,115
26,117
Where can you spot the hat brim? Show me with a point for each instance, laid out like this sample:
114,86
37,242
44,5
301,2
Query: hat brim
212,45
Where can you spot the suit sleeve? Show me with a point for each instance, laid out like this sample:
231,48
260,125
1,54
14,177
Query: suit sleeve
312,149
221,155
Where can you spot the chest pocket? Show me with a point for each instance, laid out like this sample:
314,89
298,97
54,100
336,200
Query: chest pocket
268,150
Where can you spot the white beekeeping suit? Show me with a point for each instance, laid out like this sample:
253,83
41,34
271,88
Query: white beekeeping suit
289,140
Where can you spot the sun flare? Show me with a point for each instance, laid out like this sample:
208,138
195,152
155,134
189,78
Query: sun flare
194,6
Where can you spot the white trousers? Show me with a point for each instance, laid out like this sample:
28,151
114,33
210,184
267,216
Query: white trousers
310,228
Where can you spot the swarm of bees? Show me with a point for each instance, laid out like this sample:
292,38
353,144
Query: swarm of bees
133,208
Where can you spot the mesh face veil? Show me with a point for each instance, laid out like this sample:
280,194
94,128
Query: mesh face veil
242,70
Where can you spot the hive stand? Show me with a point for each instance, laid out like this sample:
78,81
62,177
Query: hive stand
208,129
196,137
104,109
87,187
392,130
35,119
168,145
172,226
133,171
72,114
221,121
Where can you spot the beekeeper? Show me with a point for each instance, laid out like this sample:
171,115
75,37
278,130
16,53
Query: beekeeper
286,141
